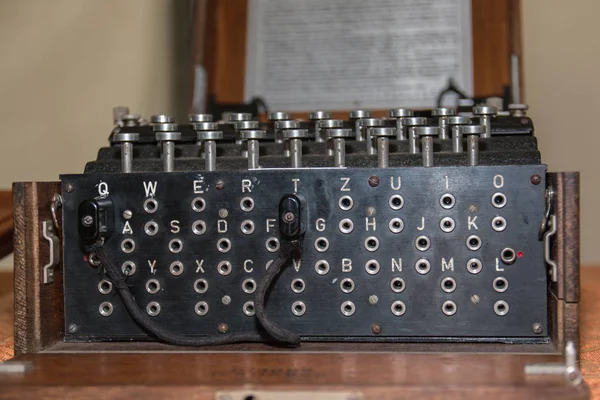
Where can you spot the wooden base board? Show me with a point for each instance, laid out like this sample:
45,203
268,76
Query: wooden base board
322,375
307,347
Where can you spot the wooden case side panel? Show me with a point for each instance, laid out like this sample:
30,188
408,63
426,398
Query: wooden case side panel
563,323
565,293
38,307
568,243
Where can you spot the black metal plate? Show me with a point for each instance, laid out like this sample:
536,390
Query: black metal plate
421,189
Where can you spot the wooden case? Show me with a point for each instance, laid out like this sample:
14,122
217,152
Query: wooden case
52,368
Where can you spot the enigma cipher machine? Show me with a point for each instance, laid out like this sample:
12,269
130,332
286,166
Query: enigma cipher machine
406,228
435,230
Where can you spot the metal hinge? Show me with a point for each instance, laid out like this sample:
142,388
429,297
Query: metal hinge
569,369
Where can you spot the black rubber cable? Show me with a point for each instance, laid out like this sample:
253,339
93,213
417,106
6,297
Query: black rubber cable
287,252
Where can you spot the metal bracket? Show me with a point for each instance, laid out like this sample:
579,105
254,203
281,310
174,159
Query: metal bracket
549,202
54,206
569,370
547,247
53,243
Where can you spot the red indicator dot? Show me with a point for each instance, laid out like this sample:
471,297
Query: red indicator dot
520,254
86,258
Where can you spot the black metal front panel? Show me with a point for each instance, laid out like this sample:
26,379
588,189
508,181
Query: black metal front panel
372,296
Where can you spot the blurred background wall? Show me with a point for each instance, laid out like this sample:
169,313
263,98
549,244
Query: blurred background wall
562,87
66,63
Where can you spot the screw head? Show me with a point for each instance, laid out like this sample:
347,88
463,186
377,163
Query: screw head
535,179
127,214
537,328
226,300
373,299
475,299
69,188
376,329
87,220
472,208
289,216
371,211
223,327
373,181
220,184
223,213
73,328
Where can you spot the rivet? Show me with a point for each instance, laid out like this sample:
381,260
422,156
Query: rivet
87,220
220,184
289,216
69,188
376,329
535,179
537,328
223,328
373,181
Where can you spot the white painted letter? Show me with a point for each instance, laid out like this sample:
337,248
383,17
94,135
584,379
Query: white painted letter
152,265
246,267
175,226
297,264
346,265
221,226
422,224
270,224
397,264
103,189
127,229
150,188
246,184
448,265
344,188
373,223
200,264
320,224
498,181
498,265
397,185
295,180
471,222
198,186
